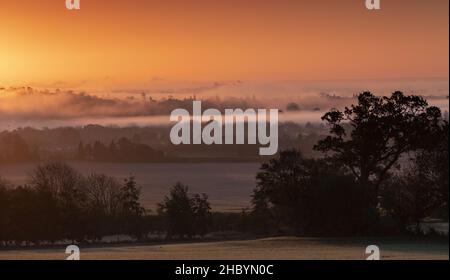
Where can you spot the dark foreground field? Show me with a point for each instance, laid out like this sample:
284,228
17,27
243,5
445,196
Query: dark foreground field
269,249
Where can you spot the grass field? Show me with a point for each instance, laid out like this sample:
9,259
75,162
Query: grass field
267,249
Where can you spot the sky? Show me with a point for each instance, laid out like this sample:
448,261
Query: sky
137,41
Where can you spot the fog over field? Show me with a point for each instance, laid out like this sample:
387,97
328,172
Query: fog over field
150,103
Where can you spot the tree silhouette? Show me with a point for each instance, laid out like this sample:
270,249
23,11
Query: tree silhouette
421,190
4,207
280,185
202,214
102,204
369,138
60,184
432,166
177,208
131,210
311,197
186,215
408,199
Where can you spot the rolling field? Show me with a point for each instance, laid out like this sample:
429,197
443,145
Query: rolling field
284,248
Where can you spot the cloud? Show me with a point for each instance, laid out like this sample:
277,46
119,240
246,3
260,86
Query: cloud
178,88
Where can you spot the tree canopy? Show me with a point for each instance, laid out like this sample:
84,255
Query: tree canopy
369,138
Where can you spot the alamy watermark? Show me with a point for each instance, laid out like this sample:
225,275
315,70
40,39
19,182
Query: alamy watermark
74,253
213,127
73,4
373,4
373,252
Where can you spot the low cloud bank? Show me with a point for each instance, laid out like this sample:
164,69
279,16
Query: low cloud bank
27,103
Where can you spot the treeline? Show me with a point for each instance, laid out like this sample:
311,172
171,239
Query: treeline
59,204
138,144
14,149
123,150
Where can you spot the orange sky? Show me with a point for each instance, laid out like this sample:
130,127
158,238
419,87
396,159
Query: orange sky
135,40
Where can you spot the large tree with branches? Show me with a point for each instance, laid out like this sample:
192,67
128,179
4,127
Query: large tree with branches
369,138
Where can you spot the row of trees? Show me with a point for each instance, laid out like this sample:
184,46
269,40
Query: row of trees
385,158
122,150
14,149
60,204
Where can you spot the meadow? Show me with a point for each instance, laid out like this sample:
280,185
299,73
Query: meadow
277,248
